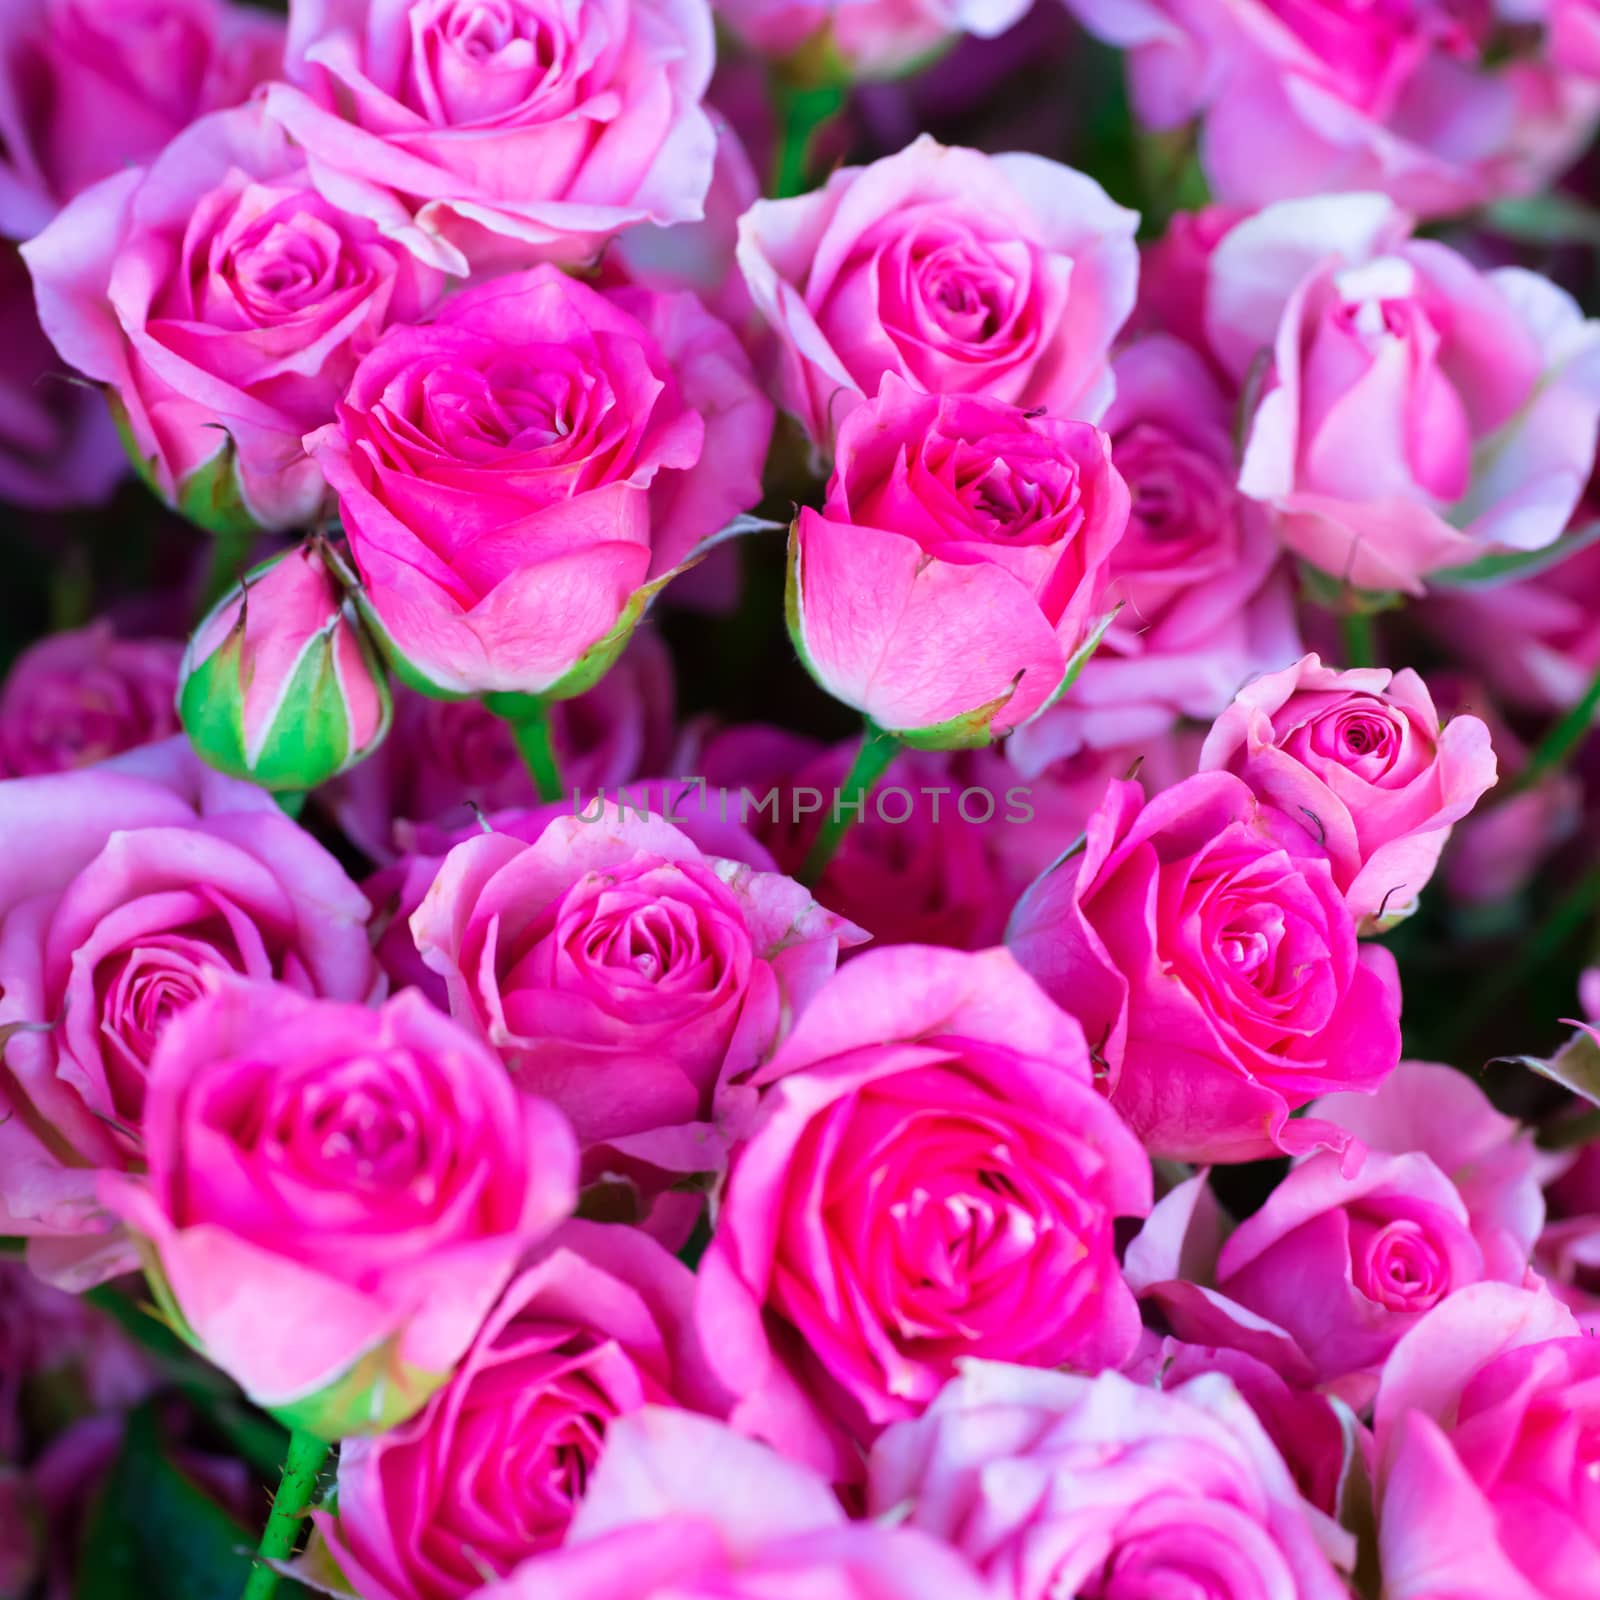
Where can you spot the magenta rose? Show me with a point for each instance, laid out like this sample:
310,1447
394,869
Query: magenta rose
518,477
933,1176
597,1324
1360,759
77,697
960,273
89,87
1055,1484
532,131
124,886
1417,414
681,1506
225,304
335,1196
953,577
1486,1421
1202,942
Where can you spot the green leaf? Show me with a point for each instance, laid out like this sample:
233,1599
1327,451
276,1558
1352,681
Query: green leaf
154,1532
1545,219
1575,1066
1514,564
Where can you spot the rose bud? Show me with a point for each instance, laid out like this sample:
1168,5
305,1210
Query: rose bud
280,684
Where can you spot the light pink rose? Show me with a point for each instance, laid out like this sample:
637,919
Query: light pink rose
1417,414
960,273
225,303
957,566
1485,1426
336,1196
124,886
1206,599
681,1506
1359,759
1055,1484
597,1324
518,477
89,87
1202,942
531,132
933,1176
1173,271
58,446
80,696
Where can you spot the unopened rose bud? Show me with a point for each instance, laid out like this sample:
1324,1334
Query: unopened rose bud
281,684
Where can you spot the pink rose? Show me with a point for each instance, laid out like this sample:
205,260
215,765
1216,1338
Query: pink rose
225,303
532,132
1360,760
1202,942
595,1326
1173,271
58,446
1055,1484
90,87
630,977
955,571
124,886
518,477
933,1176
21,1532
1485,1426
1395,363
75,698
958,272
336,1196
1573,36
1205,595
680,1506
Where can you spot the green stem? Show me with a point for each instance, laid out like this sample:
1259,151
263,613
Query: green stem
1359,638
1559,743
876,750
229,553
530,727
301,1465
803,111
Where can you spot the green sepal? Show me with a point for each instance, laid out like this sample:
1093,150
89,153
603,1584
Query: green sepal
210,497
1510,565
1342,597
377,1393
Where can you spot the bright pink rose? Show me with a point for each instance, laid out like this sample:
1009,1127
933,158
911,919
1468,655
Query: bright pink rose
1055,1484
1206,597
933,1176
1202,942
1573,36
518,477
595,1326
336,1196
960,273
225,303
682,1507
530,132
1173,271
957,566
58,445
1358,759
1486,1422
77,697
1417,414
123,886
89,87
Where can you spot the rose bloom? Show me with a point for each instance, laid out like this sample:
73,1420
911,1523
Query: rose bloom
123,886
518,477
680,1506
1205,595
532,131
1173,270
75,698
1360,759
225,303
336,1196
1486,1422
960,273
1394,364
91,87
1055,1484
596,1325
957,566
1202,942
933,1176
